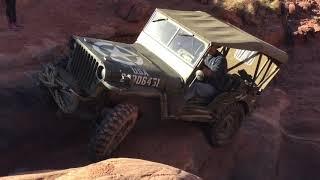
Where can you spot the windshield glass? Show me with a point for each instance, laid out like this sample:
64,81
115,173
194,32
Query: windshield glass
160,29
183,44
186,46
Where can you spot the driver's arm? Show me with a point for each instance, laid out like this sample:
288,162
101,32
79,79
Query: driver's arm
214,65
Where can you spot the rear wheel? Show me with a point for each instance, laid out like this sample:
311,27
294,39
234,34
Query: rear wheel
111,131
227,124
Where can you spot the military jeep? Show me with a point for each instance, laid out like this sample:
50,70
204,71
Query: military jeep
164,62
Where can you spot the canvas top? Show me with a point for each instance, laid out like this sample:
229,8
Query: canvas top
221,33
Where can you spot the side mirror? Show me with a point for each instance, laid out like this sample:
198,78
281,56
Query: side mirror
199,75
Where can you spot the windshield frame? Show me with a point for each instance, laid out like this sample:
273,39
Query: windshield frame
179,28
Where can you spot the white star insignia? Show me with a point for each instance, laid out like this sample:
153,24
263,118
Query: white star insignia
125,56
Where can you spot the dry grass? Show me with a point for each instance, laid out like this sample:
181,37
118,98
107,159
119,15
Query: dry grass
250,6
271,4
233,4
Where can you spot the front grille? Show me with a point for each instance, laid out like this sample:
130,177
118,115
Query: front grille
83,67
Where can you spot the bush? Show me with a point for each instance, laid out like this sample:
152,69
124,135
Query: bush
250,6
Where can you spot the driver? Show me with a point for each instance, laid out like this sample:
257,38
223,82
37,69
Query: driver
214,77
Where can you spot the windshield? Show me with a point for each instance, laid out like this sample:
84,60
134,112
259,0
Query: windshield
160,29
183,44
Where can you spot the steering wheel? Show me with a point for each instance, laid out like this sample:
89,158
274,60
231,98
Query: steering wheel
185,55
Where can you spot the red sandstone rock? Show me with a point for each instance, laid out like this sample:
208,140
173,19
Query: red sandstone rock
204,1
114,169
305,5
274,34
260,151
291,8
233,18
133,10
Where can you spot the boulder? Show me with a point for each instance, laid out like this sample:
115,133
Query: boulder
120,168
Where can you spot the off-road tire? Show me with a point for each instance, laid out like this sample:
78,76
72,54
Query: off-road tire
227,124
111,131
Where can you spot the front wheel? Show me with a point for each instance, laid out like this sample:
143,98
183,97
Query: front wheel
110,132
227,124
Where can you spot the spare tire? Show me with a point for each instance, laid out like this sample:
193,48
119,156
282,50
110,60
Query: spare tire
111,131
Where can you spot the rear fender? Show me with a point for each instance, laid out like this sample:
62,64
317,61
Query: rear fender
227,98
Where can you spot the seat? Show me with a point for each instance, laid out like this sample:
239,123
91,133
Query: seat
232,82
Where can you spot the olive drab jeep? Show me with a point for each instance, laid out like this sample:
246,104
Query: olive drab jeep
164,61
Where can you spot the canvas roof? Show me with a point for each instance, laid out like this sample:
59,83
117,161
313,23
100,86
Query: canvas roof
222,33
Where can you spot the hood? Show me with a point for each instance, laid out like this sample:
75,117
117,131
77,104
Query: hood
124,60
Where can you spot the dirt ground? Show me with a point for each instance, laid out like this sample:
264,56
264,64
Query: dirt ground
280,140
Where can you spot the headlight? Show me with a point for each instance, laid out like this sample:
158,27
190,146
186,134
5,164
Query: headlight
101,72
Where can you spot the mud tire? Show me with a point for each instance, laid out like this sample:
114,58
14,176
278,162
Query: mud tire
111,131
227,124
